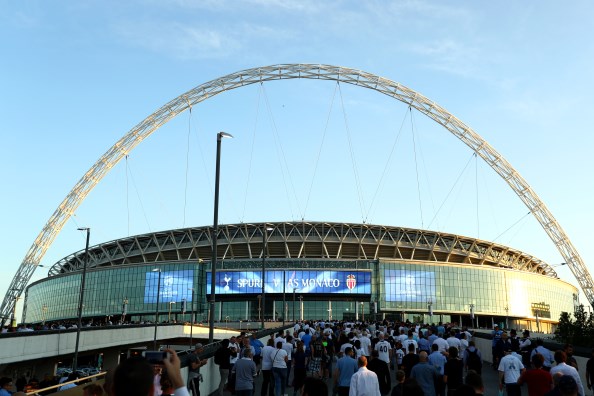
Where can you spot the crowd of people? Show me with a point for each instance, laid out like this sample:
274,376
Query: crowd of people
396,359
319,358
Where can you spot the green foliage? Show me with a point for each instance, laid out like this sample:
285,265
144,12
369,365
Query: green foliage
578,331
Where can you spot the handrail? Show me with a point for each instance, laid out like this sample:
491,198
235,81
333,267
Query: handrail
38,391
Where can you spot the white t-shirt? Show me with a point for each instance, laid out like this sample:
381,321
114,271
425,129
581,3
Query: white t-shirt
365,345
383,348
511,367
267,353
278,358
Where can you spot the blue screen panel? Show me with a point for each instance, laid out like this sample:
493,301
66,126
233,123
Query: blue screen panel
409,286
314,281
174,286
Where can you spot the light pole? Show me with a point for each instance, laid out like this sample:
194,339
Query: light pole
43,311
215,232
81,297
301,307
294,289
191,316
472,314
169,316
430,310
124,309
157,308
265,230
362,311
506,316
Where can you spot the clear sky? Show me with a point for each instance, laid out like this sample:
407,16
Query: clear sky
76,76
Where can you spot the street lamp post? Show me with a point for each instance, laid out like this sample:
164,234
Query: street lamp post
157,309
169,316
471,314
191,316
506,316
265,230
124,309
301,307
362,311
215,232
294,289
43,311
81,297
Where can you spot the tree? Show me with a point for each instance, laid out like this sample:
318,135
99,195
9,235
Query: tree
565,327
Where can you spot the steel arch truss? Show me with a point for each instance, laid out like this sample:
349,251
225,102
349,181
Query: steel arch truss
283,72
304,240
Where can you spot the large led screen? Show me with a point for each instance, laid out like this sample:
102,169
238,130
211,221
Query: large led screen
409,286
174,286
332,282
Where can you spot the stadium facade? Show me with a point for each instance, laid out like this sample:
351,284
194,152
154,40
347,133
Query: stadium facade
318,270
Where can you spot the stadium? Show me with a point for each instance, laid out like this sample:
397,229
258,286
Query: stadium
271,271
312,270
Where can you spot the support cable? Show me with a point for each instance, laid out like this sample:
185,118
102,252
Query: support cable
353,160
412,126
320,149
284,168
452,189
512,226
187,164
389,160
140,201
127,196
478,224
247,184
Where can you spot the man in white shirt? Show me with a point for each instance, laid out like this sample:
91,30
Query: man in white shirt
453,341
510,369
442,345
384,349
565,369
364,382
365,343
410,340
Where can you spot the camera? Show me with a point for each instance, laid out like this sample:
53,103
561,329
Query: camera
155,357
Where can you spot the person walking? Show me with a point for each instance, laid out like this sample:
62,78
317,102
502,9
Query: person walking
510,368
279,369
364,382
381,369
245,372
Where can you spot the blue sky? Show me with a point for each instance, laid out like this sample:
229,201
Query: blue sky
76,76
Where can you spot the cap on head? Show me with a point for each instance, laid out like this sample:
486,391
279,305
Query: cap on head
198,346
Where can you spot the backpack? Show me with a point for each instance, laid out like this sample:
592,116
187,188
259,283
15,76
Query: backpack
473,361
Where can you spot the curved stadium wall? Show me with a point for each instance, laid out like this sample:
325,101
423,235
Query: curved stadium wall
313,270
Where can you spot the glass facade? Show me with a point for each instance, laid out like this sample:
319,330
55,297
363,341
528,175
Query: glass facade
453,288
391,287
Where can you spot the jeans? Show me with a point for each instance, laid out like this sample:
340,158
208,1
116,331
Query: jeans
513,389
244,392
224,376
267,383
280,380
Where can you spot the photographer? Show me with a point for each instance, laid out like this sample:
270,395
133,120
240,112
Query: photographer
134,377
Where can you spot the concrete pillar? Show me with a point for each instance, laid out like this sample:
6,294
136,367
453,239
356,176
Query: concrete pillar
111,359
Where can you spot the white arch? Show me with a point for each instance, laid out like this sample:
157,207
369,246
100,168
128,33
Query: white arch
282,72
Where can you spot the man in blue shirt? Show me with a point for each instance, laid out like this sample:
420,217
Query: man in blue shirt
345,368
425,374
258,345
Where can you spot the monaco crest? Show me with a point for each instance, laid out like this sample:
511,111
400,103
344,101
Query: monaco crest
351,282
